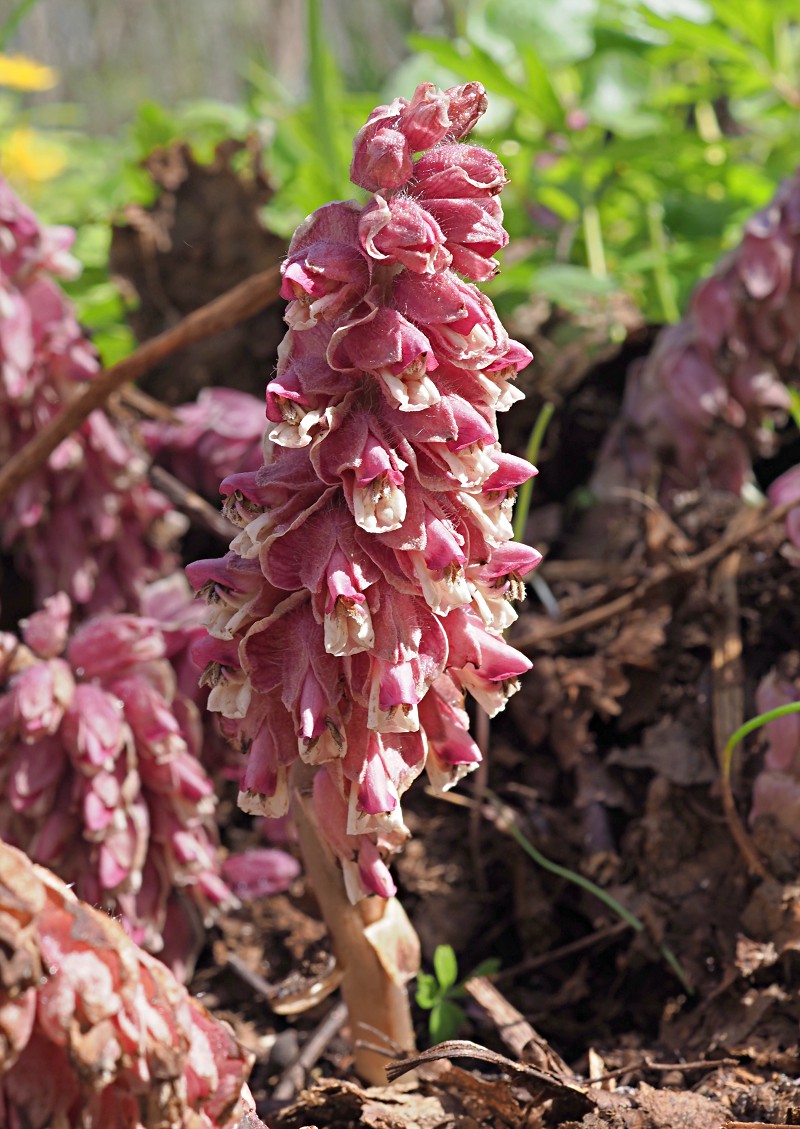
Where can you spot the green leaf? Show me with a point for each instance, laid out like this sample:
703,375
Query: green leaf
694,10
113,343
445,1020
617,84
469,60
561,29
445,966
570,286
710,40
153,127
539,91
13,20
752,19
428,992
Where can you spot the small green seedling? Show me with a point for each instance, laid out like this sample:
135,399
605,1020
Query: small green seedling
437,993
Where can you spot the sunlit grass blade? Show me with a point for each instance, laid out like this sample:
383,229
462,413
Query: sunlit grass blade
509,824
14,19
326,94
523,504
750,727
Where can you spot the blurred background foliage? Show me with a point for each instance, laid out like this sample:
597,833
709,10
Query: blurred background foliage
638,135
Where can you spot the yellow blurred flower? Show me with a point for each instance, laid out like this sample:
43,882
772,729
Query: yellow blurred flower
21,73
27,158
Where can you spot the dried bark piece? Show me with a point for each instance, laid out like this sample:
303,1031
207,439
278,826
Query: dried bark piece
202,236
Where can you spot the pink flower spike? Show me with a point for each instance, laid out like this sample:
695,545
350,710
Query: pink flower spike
99,778
82,985
378,528
86,523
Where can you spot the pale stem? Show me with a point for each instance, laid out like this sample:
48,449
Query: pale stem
374,944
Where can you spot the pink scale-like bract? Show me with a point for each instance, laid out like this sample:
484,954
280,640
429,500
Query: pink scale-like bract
370,584
88,522
100,776
94,1031
704,402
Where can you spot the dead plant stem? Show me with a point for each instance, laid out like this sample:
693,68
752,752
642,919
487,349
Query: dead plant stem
640,586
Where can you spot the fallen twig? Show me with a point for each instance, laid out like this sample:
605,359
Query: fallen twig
645,1063
197,509
543,959
757,1125
229,309
519,1036
135,399
728,685
732,539
294,994
534,1079
252,978
294,1076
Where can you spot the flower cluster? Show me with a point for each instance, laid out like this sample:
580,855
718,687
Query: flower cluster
703,402
100,777
88,522
781,492
93,1031
776,789
221,433
170,603
370,583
